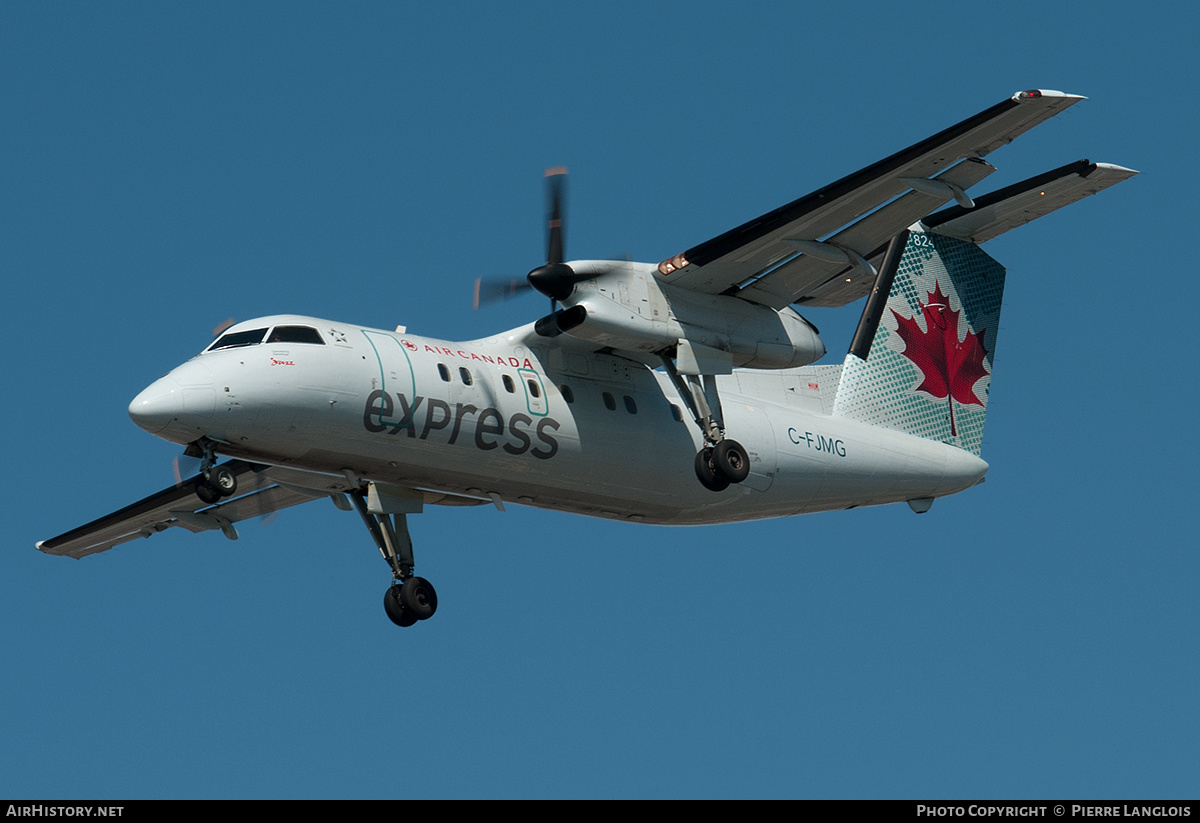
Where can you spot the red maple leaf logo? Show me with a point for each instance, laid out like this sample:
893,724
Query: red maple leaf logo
950,366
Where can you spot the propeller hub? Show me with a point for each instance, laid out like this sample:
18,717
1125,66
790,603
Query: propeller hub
555,280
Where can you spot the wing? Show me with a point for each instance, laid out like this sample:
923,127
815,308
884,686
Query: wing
1018,204
261,490
818,250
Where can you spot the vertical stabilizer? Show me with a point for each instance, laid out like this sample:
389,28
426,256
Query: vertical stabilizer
929,367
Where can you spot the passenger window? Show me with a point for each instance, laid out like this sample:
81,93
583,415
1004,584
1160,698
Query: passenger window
443,372
508,384
567,394
534,391
630,406
609,403
465,376
676,413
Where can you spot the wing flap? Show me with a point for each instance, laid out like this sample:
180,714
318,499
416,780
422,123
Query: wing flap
756,247
1028,200
827,282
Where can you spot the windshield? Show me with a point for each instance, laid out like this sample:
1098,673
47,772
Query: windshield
234,339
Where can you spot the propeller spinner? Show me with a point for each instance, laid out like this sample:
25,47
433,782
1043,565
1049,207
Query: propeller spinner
555,279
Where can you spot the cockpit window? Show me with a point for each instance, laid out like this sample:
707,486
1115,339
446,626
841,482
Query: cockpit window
295,334
236,339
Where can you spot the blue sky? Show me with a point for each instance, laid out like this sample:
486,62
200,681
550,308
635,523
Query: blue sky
166,166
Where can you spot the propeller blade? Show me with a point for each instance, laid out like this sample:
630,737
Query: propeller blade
556,181
184,466
495,289
555,279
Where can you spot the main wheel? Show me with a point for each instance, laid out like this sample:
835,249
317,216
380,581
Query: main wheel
710,477
418,597
731,460
395,609
223,480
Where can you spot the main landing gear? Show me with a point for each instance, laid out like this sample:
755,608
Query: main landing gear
718,466
409,598
722,461
214,481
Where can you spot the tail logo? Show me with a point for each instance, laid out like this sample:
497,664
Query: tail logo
950,367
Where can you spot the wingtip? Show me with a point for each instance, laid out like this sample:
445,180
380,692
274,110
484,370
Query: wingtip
1113,167
1036,94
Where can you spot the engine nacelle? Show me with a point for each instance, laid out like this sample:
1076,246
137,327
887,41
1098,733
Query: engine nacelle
626,308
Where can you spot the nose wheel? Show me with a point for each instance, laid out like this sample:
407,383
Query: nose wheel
214,481
217,483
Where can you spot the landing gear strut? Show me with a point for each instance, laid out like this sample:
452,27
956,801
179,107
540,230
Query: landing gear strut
722,461
214,481
409,598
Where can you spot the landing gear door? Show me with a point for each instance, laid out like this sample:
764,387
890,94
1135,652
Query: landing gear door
754,432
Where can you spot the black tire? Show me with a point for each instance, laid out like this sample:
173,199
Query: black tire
731,460
205,492
418,597
223,480
710,478
395,609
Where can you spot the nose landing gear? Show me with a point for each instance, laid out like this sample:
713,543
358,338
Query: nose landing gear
214,481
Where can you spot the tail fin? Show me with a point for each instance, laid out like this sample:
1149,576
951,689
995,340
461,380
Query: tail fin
928,368
922,359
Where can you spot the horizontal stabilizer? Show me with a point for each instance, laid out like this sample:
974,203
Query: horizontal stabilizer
1028,200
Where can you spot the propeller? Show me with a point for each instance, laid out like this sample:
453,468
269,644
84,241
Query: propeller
185,467
555,279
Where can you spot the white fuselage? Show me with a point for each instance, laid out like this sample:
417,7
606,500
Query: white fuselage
553,427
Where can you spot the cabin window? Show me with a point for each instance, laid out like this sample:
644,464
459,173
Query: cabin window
630,406
443,372
676,413
464,375
236,339
609,403
567,394
534,389
508,384
295,334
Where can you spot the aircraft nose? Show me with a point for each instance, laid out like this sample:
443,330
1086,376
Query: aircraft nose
157,405
185,397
